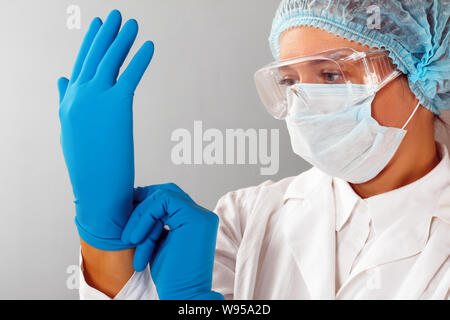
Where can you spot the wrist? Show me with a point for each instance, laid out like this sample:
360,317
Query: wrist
106,271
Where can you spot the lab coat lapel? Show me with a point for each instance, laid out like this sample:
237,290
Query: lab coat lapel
396,244
405,238
310,232
424,269
393,245
409,235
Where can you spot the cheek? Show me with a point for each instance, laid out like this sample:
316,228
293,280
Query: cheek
384,111
391,105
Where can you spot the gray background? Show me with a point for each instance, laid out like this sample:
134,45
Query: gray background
206,54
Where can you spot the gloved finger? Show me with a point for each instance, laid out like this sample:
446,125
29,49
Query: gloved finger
180,210
62,87
132,75
85,46
184,212
145,249
168,207
140,193
142,229
115,56
159,245
142,219
102,41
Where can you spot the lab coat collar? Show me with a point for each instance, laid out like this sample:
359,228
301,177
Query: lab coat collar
301,186
387,208
386,204
312,180
345,201
402,218
398,204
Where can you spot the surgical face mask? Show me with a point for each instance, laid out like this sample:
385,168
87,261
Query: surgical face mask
337,134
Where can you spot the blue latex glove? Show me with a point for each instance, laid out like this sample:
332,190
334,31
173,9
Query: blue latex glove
181,260
97,129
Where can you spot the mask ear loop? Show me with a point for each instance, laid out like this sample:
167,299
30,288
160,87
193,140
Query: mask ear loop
411,116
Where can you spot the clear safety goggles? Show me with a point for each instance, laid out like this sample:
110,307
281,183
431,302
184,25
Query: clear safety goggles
370,70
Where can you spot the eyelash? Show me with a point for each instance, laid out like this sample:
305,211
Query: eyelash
287,82
326,74
337,76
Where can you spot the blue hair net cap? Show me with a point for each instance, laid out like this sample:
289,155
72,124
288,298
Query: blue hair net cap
415,32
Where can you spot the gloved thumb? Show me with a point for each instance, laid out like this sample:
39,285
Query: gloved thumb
62,87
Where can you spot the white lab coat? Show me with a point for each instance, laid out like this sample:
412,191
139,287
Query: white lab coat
280,241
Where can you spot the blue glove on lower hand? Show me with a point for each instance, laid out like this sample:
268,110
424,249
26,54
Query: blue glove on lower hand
97,129
182,259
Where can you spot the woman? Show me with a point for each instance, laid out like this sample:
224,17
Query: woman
370,220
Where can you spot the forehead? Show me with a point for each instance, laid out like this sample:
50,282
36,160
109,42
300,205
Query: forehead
307,40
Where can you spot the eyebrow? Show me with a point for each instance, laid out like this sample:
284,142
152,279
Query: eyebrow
311,62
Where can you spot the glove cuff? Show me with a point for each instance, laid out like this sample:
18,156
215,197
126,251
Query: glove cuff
104,244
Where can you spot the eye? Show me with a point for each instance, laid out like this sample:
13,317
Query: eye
287,82
332,77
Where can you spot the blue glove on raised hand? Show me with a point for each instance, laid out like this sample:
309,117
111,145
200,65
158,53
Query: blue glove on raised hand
181,259
97,129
